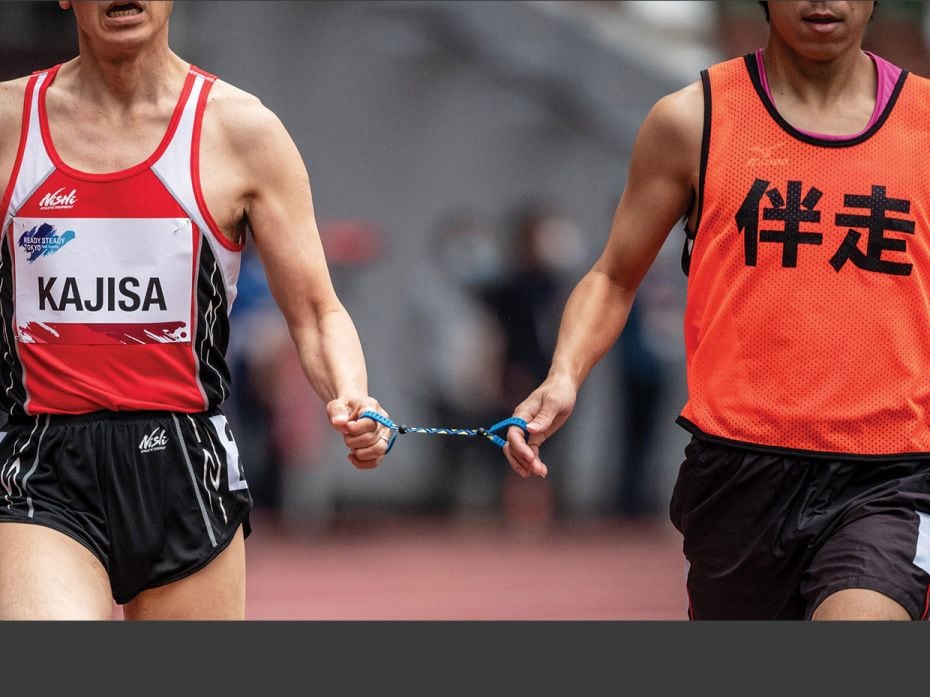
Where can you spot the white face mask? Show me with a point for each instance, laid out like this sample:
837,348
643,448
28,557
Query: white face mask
560,245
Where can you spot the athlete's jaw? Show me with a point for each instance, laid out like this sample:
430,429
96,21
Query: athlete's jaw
819,31
120,25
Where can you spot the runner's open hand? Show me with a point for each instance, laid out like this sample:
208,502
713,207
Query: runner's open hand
545,410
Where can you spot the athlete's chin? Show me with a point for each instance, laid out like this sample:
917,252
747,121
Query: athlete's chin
139,32
119,44
823,51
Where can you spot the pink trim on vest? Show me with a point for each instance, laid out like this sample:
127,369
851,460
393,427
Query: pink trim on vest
887,73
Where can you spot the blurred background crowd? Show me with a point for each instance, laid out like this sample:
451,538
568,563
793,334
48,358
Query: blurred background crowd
466,159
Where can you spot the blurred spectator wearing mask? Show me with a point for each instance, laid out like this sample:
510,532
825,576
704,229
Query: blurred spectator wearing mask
457,359
547,253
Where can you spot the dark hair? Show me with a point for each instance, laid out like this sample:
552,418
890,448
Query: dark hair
765,8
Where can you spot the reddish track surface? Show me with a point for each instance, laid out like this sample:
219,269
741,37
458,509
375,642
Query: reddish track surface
450,569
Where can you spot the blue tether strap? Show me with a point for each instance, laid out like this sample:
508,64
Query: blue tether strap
490,433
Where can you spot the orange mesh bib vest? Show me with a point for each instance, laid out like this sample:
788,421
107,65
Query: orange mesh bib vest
808,319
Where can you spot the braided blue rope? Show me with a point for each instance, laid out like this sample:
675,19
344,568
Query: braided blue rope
490,433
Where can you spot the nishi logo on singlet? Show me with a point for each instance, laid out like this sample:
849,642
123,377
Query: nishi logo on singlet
156,440
58,200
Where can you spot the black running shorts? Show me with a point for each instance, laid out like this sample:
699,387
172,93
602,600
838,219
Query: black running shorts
154,495
770,536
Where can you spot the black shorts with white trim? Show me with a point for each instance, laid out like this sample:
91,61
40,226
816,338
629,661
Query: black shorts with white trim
154,495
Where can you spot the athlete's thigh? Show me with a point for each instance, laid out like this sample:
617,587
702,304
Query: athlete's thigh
215,592
873,567
731,506
47,575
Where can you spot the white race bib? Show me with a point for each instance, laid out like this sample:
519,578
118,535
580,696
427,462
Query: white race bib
103,281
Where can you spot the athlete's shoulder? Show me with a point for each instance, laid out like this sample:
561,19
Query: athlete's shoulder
12,93
915,96
241,116
11,97
733,63
679,115
248,136
920,81
682,102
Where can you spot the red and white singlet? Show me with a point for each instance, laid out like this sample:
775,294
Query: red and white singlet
116,288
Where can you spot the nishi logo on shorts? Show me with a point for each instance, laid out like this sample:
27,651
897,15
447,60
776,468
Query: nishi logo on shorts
156,440
57,200
43,240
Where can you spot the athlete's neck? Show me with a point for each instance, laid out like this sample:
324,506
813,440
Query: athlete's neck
124,80
834,96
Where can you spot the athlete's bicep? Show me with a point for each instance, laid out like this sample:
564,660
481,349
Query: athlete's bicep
660,187
281,216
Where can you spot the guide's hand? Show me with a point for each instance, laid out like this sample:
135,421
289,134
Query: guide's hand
545,410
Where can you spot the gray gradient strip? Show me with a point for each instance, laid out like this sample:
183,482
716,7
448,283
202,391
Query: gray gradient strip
35,464
190,471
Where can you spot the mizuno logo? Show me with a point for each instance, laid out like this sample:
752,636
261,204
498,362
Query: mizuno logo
766,155
156,440
55,200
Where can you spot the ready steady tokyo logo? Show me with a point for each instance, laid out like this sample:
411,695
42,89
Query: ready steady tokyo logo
43,240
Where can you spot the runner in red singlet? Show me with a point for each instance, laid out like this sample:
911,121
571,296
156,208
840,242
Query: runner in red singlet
131,181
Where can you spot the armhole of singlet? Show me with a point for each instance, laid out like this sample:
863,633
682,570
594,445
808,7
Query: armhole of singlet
195,166
21,149
691,234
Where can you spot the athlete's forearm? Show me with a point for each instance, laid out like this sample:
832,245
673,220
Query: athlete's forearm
331,355
594,315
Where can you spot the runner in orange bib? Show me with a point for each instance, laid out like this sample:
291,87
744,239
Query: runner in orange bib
801,172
